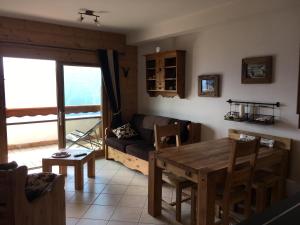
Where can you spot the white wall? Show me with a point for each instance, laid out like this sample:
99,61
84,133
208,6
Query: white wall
220,49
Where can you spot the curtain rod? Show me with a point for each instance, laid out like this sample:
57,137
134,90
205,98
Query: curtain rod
54,47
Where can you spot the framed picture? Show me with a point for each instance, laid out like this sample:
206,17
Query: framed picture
208,85
257,70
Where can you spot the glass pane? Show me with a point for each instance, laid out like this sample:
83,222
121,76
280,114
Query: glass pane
82,89
30,95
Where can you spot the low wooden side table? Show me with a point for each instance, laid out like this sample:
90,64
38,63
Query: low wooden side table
77,162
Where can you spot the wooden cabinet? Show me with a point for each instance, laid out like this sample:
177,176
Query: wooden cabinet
165,73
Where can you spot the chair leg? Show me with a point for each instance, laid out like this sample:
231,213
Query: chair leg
225,214
248,205
275,193
193,205
178,202
261,199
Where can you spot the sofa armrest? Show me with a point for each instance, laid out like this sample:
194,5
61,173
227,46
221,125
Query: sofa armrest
194,132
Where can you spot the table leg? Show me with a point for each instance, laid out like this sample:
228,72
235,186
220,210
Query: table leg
91,167
79,176
154,187
47,167
63,170
205,199
283,174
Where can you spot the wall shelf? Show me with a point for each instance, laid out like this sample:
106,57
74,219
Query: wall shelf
252,112
165,74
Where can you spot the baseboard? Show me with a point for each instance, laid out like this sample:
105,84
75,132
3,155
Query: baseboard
292,187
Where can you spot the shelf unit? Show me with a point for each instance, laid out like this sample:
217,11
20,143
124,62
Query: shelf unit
165,73
252,112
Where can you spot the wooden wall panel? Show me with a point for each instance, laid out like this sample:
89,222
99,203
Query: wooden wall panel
25,31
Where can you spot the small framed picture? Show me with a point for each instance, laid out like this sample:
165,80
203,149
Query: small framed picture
257,70
208,85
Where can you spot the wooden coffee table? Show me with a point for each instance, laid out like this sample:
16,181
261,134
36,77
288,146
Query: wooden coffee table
77,162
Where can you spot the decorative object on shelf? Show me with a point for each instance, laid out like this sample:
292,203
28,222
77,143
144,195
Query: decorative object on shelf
125,71
165,73
208,85
257,70
157,49
90,13
253,112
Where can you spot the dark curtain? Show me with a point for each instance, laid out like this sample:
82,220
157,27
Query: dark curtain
109,62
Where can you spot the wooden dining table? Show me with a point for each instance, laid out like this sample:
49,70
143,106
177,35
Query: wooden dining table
205,164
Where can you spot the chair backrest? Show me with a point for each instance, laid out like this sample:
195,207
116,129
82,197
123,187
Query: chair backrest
161,132
243,153
12,194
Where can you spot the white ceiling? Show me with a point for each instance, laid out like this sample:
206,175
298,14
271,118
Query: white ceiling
124,15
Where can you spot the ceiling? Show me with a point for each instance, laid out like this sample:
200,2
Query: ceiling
124,15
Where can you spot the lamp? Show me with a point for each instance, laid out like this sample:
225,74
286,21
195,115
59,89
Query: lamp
88,12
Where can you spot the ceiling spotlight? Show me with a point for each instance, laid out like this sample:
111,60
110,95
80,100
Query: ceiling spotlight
81,18
88,12
97,22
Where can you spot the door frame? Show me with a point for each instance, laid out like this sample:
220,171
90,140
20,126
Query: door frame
3,129
61,100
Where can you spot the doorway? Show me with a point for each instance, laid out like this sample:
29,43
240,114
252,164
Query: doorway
80,109
47,106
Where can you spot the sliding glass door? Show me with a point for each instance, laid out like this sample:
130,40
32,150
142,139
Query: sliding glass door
30,109
80,110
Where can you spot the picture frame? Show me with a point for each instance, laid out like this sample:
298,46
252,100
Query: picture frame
257,70
209,85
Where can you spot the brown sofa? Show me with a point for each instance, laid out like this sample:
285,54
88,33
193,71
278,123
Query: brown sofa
133,152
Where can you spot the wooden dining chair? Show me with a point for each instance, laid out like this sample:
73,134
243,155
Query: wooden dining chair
162,133
239,178
266,185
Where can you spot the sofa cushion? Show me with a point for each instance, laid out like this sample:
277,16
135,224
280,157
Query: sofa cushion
120,144
147,135
38,184
184,132
149,121
124,132
140,150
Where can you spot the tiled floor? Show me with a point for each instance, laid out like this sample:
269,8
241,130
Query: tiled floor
31,157
117,196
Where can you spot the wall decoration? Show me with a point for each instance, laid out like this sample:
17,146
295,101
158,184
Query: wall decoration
208,85
257,70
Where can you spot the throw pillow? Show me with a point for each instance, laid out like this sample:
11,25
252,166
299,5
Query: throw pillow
124,131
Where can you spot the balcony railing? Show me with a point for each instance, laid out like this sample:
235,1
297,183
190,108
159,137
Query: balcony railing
45,111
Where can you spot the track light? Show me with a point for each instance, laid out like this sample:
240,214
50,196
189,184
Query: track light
87,12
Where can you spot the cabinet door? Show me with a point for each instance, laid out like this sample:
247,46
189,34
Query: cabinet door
160,74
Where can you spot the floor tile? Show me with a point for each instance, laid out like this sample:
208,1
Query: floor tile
93,187
83,197
137,201
137,190
76,210
115,189
108,199
112,222
139,180
91,222
71,221
127,214
118,179
99,212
